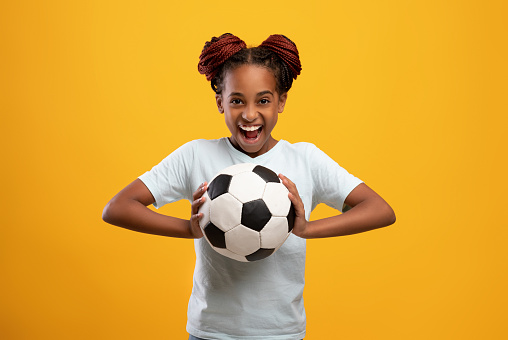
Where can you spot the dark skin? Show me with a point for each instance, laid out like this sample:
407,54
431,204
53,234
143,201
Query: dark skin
128,209
368,211
249,98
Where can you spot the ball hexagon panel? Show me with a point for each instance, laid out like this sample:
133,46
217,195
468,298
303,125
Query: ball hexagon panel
215,236
276,199
247,186
255,214
242,240
219,186
266,174
274,233
285,239
229,218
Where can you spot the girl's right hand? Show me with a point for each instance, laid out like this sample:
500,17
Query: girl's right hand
198,200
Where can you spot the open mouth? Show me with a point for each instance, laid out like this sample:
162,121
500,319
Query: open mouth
251,132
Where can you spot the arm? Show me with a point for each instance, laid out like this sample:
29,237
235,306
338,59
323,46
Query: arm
368,211
129,209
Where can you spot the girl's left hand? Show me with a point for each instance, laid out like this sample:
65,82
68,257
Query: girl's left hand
198,199
300,221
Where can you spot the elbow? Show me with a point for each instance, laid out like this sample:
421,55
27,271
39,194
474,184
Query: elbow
108,214
390,217
393,218
385,216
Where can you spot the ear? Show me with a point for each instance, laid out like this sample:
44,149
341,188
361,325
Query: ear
218,101
282,101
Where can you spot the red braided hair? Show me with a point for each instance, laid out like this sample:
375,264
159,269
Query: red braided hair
286,50
216,52
222,54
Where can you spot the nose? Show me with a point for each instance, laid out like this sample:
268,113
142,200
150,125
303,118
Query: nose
250,113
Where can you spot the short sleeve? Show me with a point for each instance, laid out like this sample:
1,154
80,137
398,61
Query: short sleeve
331,182
168,181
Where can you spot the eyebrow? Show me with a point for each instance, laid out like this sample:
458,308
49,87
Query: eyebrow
259,94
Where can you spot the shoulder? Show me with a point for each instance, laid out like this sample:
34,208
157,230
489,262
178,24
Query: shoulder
201,142
298,146
201,145
209,147
311,156
305,149
208,143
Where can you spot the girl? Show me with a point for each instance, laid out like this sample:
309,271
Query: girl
262,299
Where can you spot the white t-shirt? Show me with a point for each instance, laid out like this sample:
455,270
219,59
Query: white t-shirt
261,300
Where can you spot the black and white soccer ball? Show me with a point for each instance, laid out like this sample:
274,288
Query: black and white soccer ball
247,214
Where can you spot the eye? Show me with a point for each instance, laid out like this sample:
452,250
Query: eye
264,101
236,101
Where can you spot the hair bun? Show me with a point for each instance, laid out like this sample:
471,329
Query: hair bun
216,52
286,50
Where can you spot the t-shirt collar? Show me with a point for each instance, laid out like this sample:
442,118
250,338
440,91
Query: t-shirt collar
246,158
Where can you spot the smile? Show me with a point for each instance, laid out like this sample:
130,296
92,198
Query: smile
251,132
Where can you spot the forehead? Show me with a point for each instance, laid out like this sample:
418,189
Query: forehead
249,79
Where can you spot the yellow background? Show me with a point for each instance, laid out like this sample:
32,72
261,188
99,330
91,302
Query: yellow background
410,96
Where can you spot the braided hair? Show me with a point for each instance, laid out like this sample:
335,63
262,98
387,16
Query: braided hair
226,52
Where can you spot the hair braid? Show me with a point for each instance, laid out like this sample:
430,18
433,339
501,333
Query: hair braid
222,54
216,52
286,50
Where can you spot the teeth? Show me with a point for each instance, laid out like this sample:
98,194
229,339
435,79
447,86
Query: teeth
250,128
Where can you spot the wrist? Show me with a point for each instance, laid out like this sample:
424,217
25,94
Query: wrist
302,230
194,230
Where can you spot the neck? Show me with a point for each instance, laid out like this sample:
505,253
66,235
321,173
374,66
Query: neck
264,149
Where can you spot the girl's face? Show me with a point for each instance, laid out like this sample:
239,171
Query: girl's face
251,107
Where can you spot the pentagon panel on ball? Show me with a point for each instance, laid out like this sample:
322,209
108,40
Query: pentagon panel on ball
247,214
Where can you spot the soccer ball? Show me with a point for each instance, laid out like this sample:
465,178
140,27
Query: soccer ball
247,214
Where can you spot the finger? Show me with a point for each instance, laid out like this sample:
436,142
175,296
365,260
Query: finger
197,203
297,203
200,191
289,184
293,195
196,217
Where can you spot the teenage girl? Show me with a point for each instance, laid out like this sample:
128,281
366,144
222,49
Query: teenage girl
263,299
